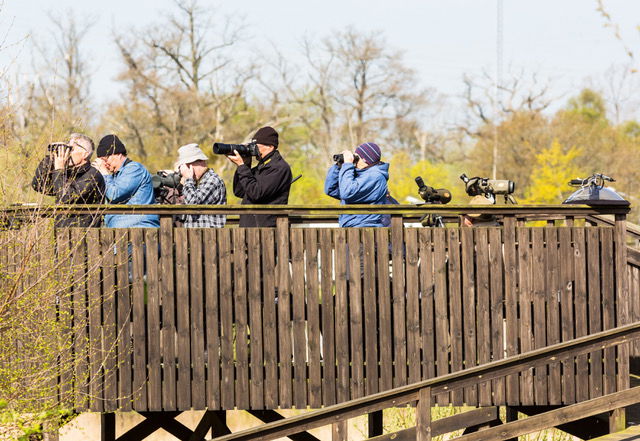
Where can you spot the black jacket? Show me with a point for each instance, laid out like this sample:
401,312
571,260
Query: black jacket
75,185
267,183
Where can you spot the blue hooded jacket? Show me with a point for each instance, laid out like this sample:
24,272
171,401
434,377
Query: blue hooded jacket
130,185
359,186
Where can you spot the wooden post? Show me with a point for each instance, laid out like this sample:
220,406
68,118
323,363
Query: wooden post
511,303
617,418
376,426
340,431
108,426
423,415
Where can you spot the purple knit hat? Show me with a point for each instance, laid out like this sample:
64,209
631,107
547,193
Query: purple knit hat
370,152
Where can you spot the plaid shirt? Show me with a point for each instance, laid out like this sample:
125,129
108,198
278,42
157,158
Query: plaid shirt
209,189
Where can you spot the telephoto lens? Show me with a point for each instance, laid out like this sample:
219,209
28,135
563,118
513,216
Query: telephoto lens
242,149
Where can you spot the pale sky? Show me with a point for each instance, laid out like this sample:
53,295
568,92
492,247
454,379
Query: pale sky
562,39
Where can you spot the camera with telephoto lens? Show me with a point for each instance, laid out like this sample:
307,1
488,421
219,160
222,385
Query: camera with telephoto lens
339,159
250,149
54,146
166,187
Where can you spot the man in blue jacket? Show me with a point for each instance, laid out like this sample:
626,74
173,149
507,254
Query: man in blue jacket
360,180
127,182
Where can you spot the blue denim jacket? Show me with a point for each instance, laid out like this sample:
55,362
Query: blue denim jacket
130,185
359,186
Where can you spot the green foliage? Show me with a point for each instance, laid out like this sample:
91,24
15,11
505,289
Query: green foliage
554,167
589,104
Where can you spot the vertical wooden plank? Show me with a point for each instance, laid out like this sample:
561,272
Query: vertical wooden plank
212,318
427,290
370,311
553,297
496,272
580,304
443,339
384,306
299,331
269,319
511,304
634,294
125,386
413,305
182,312
484,319
227,392
566,307
608,305
469,309
355,313
328,329
455,308
197,330
154,384
139,321
622,301
168,331
313,317
241,322
398,304
109,324
96,378
595,312
526,325
341,316
284,311
80,318
255,318
65,308
539,310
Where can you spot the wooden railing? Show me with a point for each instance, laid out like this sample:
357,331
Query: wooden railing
266,318
424,393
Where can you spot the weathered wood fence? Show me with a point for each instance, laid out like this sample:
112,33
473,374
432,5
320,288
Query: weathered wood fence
265,318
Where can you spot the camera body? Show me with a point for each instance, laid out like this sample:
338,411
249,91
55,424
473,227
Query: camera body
339,159
54,146
167,188
250,149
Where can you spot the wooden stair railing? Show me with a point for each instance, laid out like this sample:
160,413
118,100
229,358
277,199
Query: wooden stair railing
424,391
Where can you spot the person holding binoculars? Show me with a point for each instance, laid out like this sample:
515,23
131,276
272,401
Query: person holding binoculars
66,173
359,178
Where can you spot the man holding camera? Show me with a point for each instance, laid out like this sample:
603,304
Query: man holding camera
67,174
127,182
200,186
268,183
361,179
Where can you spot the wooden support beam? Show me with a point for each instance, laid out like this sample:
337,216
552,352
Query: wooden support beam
375,425
269,416
108,426
556,417
442,426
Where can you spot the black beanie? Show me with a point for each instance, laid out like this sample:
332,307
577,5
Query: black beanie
110,145
266,136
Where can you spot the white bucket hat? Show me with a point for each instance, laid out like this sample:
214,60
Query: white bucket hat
189,153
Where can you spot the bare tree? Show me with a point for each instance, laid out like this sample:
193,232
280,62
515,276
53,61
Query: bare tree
182,80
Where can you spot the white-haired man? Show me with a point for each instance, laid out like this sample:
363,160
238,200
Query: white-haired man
200,186
67,174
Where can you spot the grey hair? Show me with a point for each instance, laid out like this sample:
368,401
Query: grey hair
84,141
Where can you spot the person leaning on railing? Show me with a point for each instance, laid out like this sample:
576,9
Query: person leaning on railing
200,186
268,183
67,174
361,182
127,182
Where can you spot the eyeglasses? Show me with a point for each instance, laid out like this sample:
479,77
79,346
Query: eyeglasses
75,144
